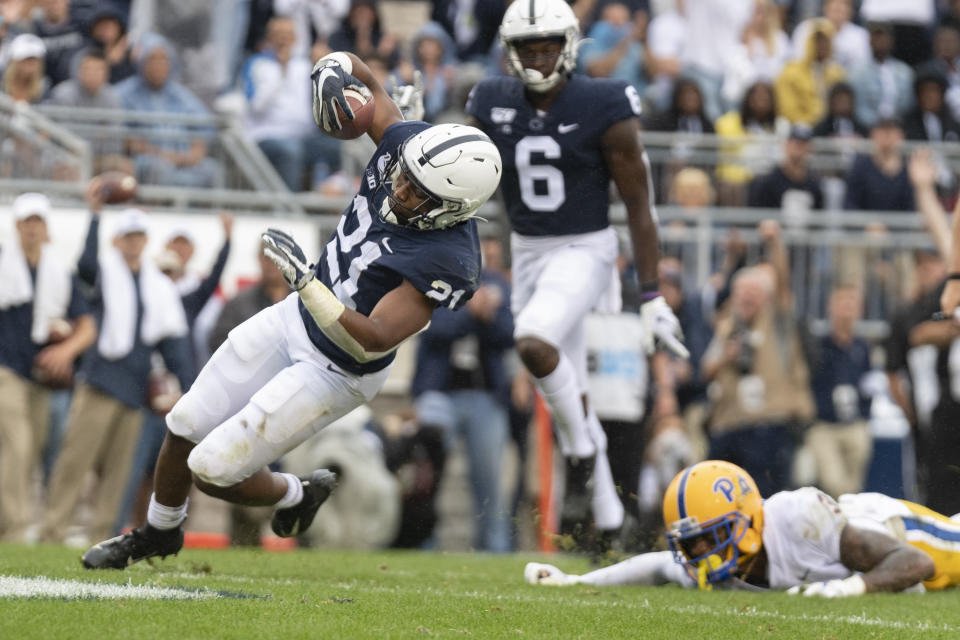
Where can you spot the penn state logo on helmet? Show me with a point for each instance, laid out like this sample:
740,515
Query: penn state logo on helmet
539,19
457,166
714,517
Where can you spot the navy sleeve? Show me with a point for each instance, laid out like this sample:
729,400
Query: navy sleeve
178,359
194,301
620,101
78,305
852,200
87,266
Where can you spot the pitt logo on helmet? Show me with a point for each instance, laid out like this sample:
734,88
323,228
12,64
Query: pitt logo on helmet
714,517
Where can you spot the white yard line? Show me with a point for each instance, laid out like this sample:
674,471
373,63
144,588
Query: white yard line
54,589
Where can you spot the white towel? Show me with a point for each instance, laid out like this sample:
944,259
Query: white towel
52,295
163,315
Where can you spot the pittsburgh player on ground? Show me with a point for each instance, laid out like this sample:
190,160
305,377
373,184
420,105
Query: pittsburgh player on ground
722,532
563,136
406,245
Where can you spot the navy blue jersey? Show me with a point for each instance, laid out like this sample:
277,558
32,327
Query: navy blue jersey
367,257
555,178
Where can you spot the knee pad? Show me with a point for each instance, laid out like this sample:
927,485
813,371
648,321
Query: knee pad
183,418
224,457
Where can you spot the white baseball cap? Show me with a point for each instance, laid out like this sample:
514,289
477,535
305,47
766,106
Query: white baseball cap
132,220
181,232
27,45
31,204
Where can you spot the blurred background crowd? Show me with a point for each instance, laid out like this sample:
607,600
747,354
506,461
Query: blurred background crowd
804,154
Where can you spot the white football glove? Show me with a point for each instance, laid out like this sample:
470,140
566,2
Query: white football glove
852,586
329,81
548,575
661,327
283,250
409,97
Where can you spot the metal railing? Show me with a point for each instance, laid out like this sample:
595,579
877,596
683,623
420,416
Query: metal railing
33,146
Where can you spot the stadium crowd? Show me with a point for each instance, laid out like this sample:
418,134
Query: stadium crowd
761,389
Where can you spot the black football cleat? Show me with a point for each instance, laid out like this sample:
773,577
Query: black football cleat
133,546
578,497
287,523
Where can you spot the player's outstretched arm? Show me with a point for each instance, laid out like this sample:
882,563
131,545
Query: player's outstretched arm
334,71
628,167
886,564
398,315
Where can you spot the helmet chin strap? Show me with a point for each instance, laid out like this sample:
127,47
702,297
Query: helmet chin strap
535,81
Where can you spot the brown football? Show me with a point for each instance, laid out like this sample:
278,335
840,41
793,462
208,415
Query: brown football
117,187
363,109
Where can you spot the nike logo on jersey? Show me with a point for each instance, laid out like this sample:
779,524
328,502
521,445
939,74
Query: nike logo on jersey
336,371
386,243
567,128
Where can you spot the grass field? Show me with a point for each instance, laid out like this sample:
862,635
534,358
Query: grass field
312,594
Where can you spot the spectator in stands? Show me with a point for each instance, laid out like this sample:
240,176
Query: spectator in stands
88,85
931,119
178,161
841,119
792,185
741,156
758,380
686,113
912,24
839,362
433,56
473,27
802,84
279,115
107,29
946,60
666,40
765,49
714,29
38,296
138,310
851,42
88,89
24,79
615,47
883,84
361,33
879,182
61,35
320,17
461,386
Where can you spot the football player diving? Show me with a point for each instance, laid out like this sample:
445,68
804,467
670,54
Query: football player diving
563,137
723,534
406,244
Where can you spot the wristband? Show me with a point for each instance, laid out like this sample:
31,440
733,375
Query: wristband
342,59
648,296
954,276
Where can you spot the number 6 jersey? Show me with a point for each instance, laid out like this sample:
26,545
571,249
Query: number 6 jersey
555,177
367,257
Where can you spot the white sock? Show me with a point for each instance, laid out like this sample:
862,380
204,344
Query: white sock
160,516
294,493
560,390
607,508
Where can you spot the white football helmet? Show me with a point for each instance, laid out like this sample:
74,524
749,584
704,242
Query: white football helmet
456,165
536,19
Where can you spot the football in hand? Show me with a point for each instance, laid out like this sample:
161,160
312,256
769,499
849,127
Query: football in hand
363,108
117,187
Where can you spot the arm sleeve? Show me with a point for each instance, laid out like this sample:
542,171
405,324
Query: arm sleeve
647,569
446,326
87,266
194,301
78,305
178,359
